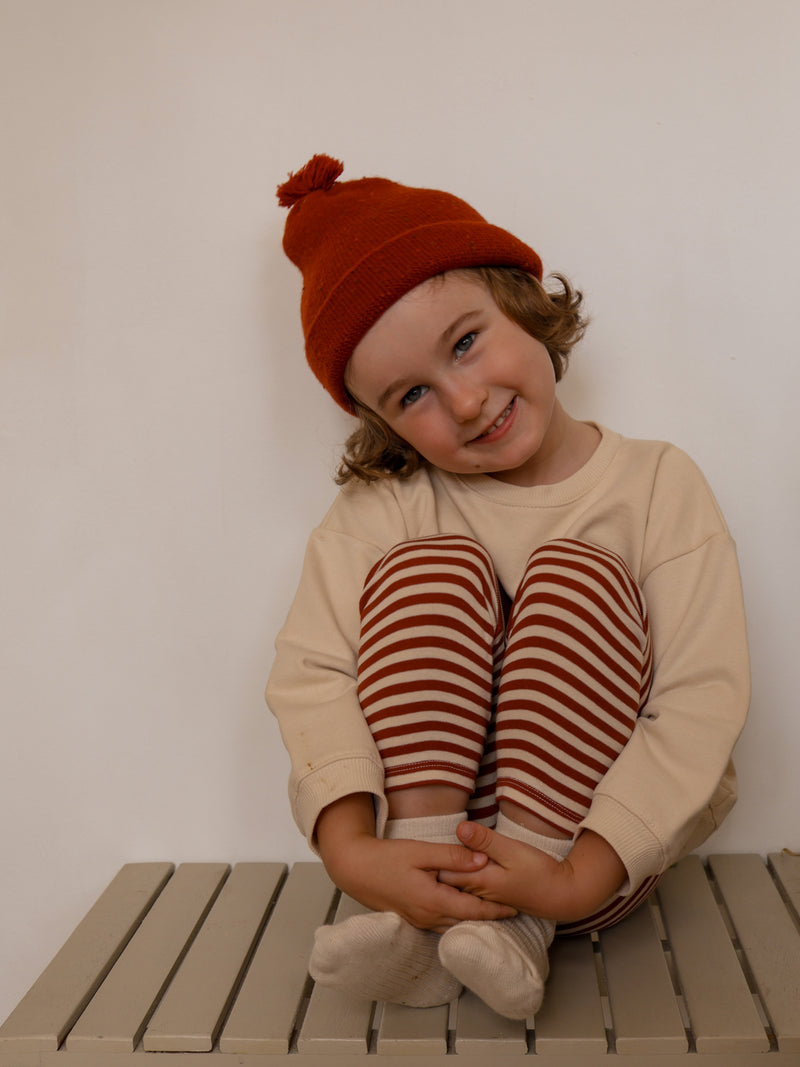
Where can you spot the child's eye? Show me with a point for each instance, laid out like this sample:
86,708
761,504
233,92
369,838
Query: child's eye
463,346
413,395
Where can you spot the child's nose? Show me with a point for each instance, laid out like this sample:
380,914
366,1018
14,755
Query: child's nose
466,399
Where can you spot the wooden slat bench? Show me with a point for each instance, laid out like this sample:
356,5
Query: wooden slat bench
204,965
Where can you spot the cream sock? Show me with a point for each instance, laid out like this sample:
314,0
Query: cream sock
380,956
505,962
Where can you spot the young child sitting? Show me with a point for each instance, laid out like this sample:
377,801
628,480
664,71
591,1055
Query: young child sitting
516,665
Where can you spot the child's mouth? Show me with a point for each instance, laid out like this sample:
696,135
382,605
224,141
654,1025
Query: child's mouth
497,424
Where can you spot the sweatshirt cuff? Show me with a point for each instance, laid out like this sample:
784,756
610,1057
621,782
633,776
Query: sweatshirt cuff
330,782
639,849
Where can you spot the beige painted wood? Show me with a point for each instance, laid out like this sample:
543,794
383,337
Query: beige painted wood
769,940
571,1018
192,1010
723,1014
786,870
411,1038
263,1016
645,1012
336,1022
216,1059
339,1024
479,1029
413,1031
59,995
118,1013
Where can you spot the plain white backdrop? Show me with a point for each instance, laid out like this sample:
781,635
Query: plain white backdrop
164,450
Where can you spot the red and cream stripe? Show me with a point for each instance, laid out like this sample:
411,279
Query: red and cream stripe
535,715
431,640
575,676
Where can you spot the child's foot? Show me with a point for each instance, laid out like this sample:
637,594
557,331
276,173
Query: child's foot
504,962
380,956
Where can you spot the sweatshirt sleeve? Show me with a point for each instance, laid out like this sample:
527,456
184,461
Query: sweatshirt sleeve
312,685
674,780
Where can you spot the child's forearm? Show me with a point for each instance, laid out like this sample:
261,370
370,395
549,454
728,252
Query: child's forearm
595,873
338,826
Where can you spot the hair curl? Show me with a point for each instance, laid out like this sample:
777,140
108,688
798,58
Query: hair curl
554,318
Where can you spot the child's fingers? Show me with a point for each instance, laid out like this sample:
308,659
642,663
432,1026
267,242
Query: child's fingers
472,905
463,907
463,880
451,858
491,883
438,906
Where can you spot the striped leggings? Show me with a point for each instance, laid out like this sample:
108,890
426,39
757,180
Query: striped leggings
529,702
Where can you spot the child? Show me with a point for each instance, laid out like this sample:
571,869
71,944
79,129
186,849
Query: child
516,665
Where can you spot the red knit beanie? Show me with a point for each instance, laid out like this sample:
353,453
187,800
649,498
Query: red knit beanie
363,244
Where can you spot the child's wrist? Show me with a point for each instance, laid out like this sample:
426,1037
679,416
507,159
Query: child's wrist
592,873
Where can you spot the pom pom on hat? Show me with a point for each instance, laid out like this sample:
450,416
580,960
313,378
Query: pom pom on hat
363,244
319,173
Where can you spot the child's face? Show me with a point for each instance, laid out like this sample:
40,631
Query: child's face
460,382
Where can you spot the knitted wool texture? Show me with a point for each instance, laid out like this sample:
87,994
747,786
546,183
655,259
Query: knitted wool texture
363,244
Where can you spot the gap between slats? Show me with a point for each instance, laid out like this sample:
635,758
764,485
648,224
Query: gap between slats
272,999
194,1006
769,940
117,1015
58,997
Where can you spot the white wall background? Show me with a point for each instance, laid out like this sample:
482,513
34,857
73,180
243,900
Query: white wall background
164,450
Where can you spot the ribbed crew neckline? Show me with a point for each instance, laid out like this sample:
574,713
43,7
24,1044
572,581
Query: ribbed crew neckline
543,496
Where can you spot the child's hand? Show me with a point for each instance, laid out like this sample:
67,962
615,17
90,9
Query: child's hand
399,875
516,873
402,876
535,883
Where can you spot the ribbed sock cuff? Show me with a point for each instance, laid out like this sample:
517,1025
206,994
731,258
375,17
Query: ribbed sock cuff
557,847
438,829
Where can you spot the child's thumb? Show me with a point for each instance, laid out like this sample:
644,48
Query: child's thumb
478,838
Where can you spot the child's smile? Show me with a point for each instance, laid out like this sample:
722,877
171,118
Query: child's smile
500,426
467,387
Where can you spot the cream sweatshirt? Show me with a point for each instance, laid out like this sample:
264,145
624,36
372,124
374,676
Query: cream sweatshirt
646,500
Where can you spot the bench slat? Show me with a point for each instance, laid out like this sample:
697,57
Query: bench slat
263,1016
786,868
191,1012
56,999
337,1022
481,1030
721,1009
118,1013
769,940
413,1031
571,1017
643,1003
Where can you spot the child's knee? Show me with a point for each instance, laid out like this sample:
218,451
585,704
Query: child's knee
579,565
434,562
571,553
